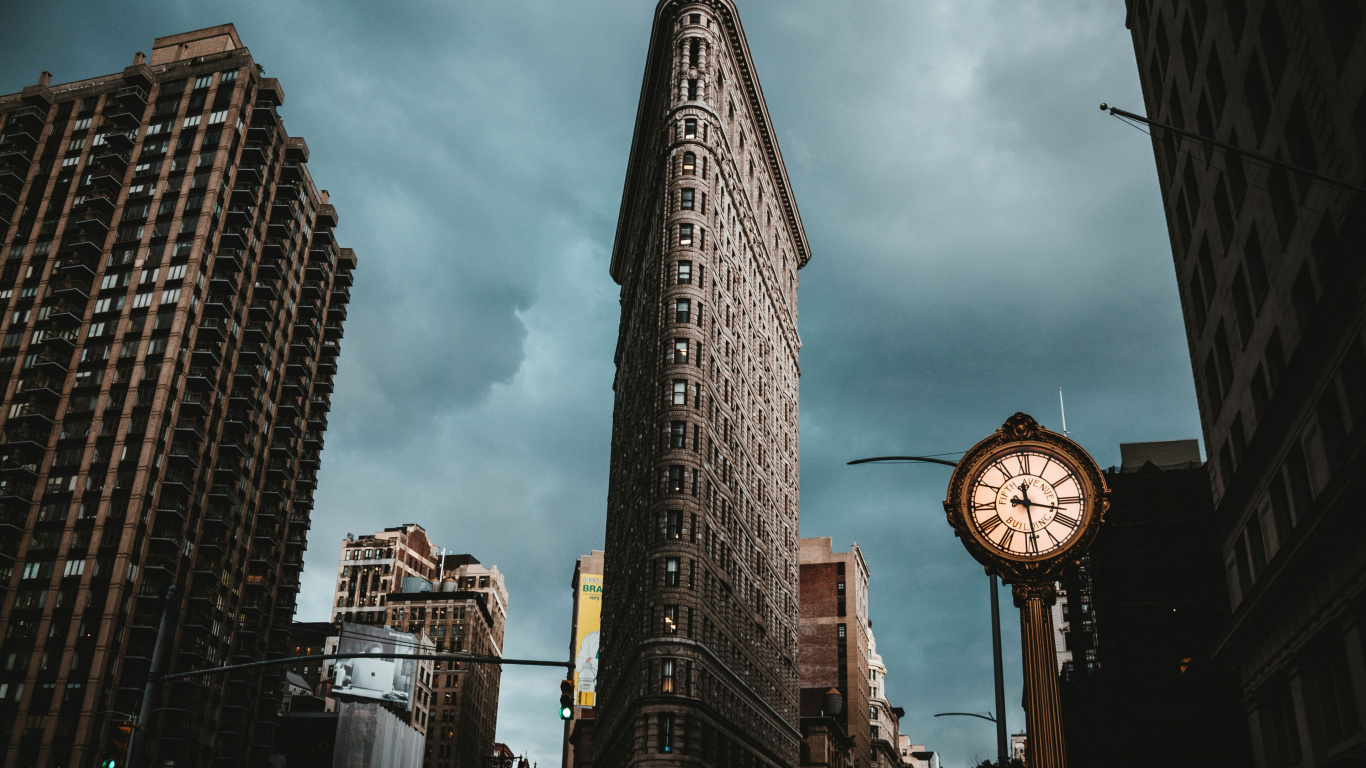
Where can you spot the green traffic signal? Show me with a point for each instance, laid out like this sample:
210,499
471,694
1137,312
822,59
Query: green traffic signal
566,699
110,763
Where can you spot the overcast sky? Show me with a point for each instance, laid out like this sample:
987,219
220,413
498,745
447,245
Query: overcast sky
981,234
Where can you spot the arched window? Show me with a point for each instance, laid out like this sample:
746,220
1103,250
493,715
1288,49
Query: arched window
689,163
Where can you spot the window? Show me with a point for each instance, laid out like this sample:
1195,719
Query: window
678,434
666,676
191,122
666,732
685,234
673,523
692,89
690,127
670,619
683,310
841,632
680,392
694,50
671,572
675,478
686,199
227,77
684,272
680,350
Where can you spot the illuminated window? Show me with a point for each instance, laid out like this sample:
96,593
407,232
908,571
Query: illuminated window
689,163
685,234
680,350
666,676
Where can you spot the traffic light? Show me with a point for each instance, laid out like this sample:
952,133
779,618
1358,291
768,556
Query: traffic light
566,699
110,763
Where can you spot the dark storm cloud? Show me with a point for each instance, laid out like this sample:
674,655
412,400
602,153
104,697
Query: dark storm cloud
981,235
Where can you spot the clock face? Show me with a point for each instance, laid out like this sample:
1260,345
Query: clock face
1027,502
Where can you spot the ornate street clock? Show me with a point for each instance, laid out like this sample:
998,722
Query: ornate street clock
1027,502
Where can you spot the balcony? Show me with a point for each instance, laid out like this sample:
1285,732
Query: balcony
30,118
312,291
132,97
206,357
108,157
61,341
108,179
99,201
119,142
276,248
196,404
201,379
248,195
16,160
263,291
218,305
287,192
123,116
40,388
241,215
234,237
326,218
260,311
336,314
254,153
332,332
14,492
268,271
19,137
248,174
212,330
323,237
292,173
32,411
14,519
227,261
52,364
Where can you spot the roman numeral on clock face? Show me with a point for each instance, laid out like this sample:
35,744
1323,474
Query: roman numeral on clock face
1023,460
990,525
1007,537
1069,500
1066,519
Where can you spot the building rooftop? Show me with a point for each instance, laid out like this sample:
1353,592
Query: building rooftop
1167,454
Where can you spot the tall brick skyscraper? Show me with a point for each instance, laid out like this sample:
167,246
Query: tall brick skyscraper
173,300
1271,265
699,624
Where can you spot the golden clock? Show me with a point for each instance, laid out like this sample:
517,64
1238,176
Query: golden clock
1026,501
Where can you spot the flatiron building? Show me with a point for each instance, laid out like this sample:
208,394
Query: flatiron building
173,300
700,620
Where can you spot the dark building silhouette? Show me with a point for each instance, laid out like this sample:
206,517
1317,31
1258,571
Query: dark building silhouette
1270,266
1140,615
173,302
699,622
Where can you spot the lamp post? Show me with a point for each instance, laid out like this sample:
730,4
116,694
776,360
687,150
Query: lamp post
1002,740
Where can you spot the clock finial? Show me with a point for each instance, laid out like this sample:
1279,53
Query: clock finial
1021,426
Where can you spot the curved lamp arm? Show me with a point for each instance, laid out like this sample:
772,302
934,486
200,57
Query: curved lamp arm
923,459
986,717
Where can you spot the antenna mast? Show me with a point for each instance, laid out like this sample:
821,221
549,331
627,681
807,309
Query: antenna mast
1063,407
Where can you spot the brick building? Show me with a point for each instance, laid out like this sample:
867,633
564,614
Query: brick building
835,648
376,564
1270,266
465,612
699,624
173,303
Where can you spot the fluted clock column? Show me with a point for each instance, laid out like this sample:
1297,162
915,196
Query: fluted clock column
1043,713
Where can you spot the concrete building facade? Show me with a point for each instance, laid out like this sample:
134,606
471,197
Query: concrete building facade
1269,264
835,643
173,301
699,624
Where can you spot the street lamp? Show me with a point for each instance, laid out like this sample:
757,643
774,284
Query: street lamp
1002,740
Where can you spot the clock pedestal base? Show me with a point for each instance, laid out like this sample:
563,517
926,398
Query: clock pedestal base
1043,712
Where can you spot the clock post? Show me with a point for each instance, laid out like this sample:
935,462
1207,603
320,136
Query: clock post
1026,503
